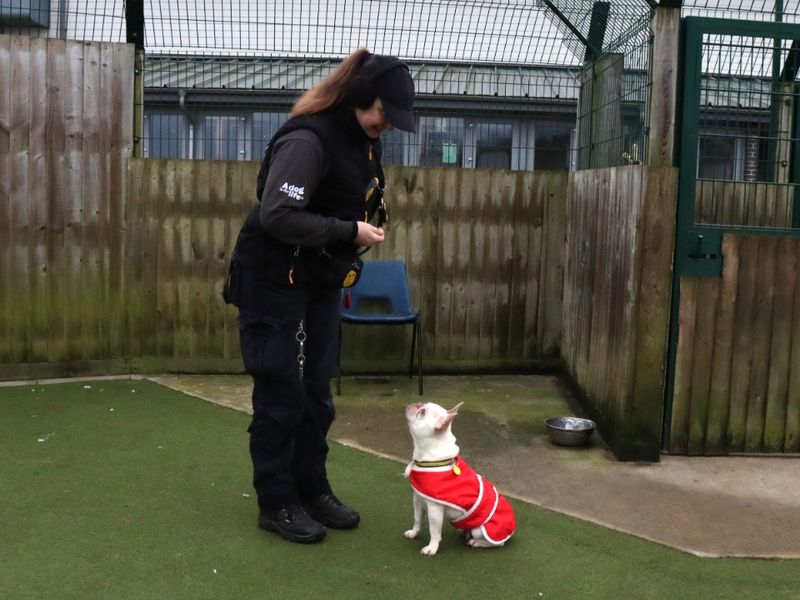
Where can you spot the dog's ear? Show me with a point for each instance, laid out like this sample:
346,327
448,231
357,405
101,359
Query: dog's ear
444,421
454,410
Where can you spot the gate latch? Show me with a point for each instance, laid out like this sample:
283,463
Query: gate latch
705,259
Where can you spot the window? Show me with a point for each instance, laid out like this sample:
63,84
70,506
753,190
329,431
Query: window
489,145
442,140
223,137
742,151
519,142
397,147
716,158
552,147
265,124
164,135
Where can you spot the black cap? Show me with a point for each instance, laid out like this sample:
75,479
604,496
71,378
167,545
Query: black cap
394,86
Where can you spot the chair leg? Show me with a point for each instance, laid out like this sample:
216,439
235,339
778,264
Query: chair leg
413,344
339,363
419,353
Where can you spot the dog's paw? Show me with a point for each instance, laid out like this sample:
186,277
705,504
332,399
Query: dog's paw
430,549
479,543
411,533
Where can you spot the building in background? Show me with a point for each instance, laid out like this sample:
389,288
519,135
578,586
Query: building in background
467,116
498,82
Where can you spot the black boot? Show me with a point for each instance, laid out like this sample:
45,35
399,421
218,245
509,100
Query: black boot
329,510
293,524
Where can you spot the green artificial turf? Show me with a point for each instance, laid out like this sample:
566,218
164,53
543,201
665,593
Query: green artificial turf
126,489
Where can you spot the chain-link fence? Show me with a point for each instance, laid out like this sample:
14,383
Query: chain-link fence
496,87
516,84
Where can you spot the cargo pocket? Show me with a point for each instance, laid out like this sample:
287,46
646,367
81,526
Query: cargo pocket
265,344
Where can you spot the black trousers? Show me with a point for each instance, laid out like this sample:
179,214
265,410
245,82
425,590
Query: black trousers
289,343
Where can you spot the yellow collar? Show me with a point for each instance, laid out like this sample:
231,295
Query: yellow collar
434,463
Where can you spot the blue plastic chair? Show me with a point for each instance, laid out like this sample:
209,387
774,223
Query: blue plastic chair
383,284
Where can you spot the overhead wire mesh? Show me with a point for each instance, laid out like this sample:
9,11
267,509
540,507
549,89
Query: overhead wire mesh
622,20
512,79
787,11
491,76
507,32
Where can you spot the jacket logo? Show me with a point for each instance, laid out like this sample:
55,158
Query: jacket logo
294,192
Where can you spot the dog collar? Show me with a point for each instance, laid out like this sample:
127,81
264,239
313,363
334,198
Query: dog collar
434,464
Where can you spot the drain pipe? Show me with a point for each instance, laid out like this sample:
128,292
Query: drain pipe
189,120
63,11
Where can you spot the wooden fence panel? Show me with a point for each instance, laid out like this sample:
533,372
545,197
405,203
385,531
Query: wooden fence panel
73,214
182,218
553,253
720,384
792,441
38,190
57,117
738,352
620,236
6,224
19,133
780,347
747,251
761,322
744,203
474,268
519,268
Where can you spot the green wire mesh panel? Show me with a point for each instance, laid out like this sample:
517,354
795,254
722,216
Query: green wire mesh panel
520,80
747,144
589,26
482,31
612,40
787,11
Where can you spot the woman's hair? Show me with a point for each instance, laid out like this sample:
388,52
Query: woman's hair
332,90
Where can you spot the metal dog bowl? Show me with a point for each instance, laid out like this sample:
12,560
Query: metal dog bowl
569,431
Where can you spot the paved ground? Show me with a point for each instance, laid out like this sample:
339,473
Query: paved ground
732,506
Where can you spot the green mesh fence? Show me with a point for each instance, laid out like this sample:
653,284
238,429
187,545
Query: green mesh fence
517,84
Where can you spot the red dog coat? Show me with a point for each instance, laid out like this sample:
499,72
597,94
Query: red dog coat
476,499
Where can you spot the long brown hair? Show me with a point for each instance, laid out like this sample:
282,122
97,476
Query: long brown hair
332,90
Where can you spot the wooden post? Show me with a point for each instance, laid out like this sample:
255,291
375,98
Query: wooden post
785,110
134,22
663,92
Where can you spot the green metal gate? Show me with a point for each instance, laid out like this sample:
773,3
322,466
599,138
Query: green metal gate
733,381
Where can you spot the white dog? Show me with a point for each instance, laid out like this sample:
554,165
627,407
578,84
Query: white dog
445,485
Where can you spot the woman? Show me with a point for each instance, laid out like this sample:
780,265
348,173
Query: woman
319,185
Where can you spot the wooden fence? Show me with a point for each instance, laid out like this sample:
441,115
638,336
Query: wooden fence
617,289
737,379
484,250
65,135
110,264
744,203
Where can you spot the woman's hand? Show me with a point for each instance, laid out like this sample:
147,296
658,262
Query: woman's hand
368,235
